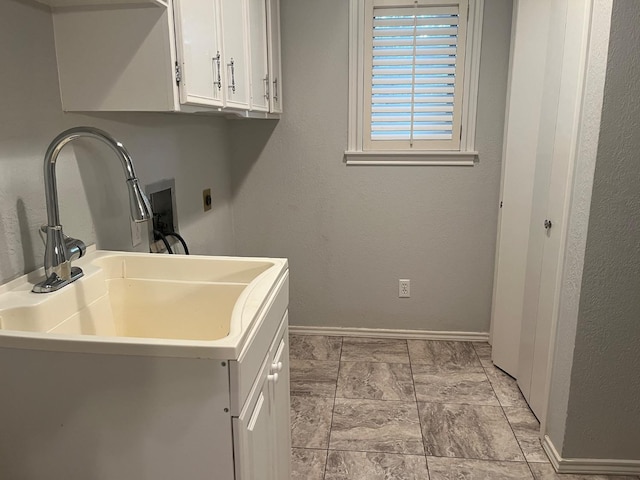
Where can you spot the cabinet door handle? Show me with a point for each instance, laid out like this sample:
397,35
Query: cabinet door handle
217,82
275,89
266,87
273,378
233,76
276,367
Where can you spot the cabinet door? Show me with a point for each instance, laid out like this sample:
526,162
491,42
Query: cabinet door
280,410
258,51
275,63
235,38
254,454
199,52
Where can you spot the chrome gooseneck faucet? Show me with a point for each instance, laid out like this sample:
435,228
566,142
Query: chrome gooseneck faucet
61,250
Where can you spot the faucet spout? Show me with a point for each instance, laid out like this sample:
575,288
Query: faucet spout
61,250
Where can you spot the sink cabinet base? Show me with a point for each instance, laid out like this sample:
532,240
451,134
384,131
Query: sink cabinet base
71,415
80,402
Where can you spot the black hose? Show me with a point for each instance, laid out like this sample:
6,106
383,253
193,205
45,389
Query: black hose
162,236
179,237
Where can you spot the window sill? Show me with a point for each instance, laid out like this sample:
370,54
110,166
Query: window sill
432,158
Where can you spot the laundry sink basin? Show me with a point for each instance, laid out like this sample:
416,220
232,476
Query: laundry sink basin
136,303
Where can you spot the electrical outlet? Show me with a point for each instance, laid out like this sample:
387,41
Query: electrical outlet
404,288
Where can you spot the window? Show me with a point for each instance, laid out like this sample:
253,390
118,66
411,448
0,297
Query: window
413,81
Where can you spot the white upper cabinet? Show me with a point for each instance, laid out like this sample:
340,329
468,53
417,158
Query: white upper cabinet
199,47
236,57
92,3
182,55
116,59
275,63
258,50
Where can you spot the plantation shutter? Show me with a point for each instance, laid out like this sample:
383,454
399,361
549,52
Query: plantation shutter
414,75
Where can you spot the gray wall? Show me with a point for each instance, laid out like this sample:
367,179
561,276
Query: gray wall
92,190
603,413
351,232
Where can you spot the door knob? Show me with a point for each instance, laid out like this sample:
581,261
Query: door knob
548,224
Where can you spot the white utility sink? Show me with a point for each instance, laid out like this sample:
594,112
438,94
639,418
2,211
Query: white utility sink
143,304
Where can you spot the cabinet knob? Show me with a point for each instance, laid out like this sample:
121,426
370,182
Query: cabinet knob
276,367
273,378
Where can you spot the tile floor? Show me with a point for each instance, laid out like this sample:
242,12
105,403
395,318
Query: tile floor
369,409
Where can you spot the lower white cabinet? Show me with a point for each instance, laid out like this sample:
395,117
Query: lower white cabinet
262,441
281,411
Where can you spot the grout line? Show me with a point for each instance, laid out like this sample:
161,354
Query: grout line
381,400
333,409
375,361
518,462
426,460
505,416
415,395
376,451
480,459
326,461
514,435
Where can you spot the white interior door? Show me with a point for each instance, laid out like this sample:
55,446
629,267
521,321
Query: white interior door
564,82
543,163
528,60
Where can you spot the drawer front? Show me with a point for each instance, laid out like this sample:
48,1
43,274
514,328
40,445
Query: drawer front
243,372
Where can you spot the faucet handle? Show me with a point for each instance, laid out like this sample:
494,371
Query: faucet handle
75,247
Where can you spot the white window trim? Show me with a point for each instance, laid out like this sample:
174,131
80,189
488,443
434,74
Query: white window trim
467,156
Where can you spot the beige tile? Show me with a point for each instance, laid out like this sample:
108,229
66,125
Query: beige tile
376,426
451,355
467,431
437,385
527,430
483,350
544,471
375,381
307,464
314,377
506,388
343,465
442,468
374,350
310,421
314,347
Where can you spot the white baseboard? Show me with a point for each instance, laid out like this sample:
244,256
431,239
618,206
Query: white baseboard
589,466
390,333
